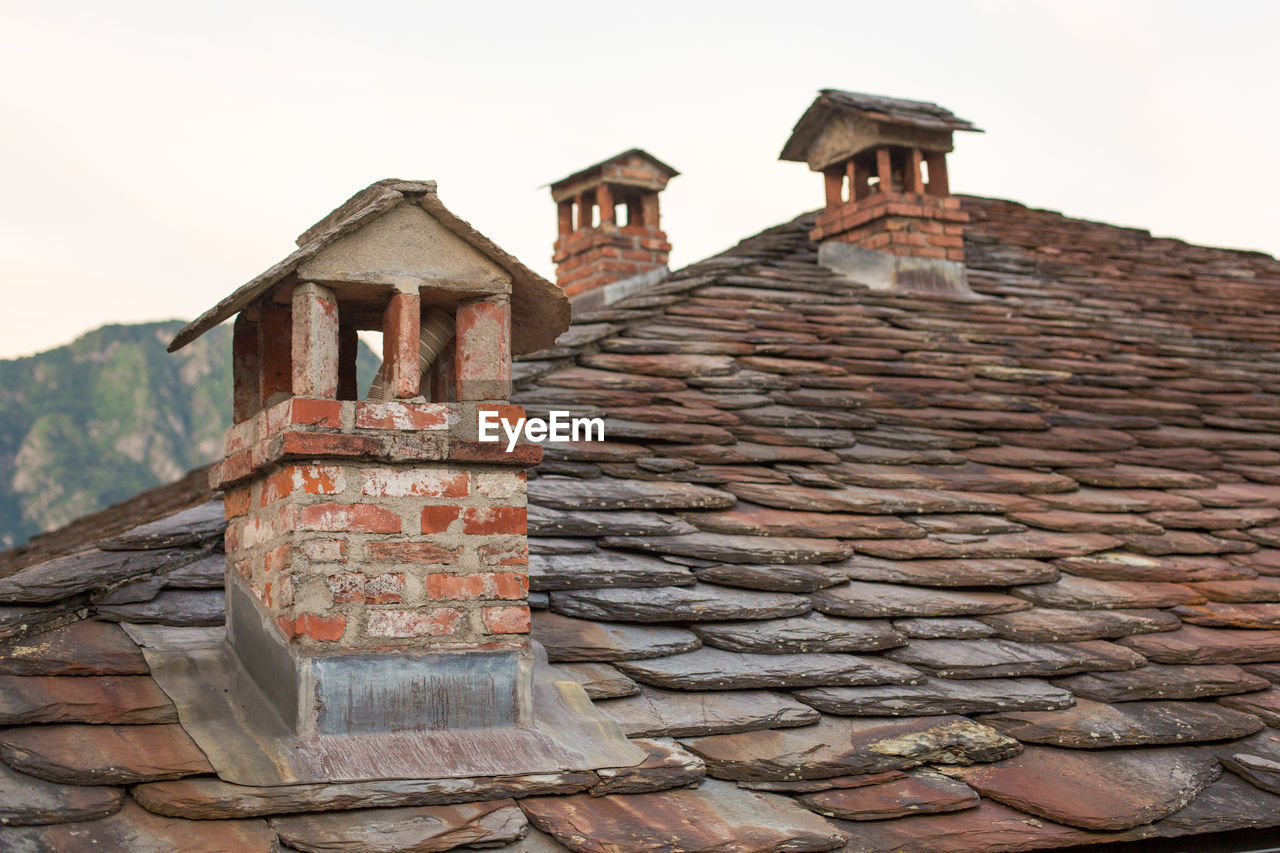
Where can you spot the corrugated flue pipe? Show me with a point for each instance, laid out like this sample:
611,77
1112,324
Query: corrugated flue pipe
435,333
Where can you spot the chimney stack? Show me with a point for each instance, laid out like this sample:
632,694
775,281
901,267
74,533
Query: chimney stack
608,224
883,161
376,552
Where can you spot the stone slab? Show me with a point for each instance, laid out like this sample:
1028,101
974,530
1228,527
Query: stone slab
937,696
698,603
113,755
87,647
1097,725
850,746
920,793
567,639
1164,681
1004,658
716,669
111,699
812,632
664,713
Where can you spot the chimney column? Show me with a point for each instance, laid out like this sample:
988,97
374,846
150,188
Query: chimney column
314,348
400,332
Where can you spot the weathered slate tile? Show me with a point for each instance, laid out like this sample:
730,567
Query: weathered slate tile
716,669
180,607
809,786
986,828
1100,790
544,521
1192,644
849,746
937,696
1163,681
416,828
1097,725
1006,658
28,801
199,526
206,573
667,364
785,578
209,798
1125,566
1223,615
1033,544
668,765
921,792
1236,518
786,416
970,524
698,603
599,680
1049,625
812,632
965,477
947,573
117,699
1228,804
1252,590
880,600
728,548
1264,705
609,493
1186,542
1119,500
64,577
854,499
138,831
953,628
664,713
1087,522
754,520
1269,671
110,755
604,569
550,546
87,647
568,639
715,816
1137,477
18,622
1073,593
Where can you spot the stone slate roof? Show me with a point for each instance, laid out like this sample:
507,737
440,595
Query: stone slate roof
861,571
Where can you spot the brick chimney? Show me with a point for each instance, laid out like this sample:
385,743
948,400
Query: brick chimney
883,161
377,553
609,223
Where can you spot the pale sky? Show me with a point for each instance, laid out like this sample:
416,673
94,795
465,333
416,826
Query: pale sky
156,155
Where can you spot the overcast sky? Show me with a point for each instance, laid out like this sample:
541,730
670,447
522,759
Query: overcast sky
156,155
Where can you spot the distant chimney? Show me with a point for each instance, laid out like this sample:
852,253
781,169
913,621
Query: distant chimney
885,170
377,553
609,223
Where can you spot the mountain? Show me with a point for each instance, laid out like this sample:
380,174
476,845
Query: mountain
96,421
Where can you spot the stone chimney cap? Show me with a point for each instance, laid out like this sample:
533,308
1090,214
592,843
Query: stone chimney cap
540,310
618,169
833,103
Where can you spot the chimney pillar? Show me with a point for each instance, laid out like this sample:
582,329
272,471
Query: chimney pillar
314,345
483,354
400,334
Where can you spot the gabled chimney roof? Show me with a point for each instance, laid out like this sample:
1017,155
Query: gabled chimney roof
539,309
613,170
832,103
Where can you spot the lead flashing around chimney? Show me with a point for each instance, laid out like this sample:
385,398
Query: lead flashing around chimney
230,718
594,300
894,273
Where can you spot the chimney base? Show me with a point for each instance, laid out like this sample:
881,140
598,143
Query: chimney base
894,273
238,727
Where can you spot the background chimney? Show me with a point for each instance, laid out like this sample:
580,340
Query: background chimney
609,223
885,170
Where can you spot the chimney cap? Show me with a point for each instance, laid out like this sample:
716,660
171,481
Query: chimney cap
540,310
614,170
835,103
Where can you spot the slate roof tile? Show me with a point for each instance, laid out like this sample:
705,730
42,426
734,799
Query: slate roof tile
804,479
